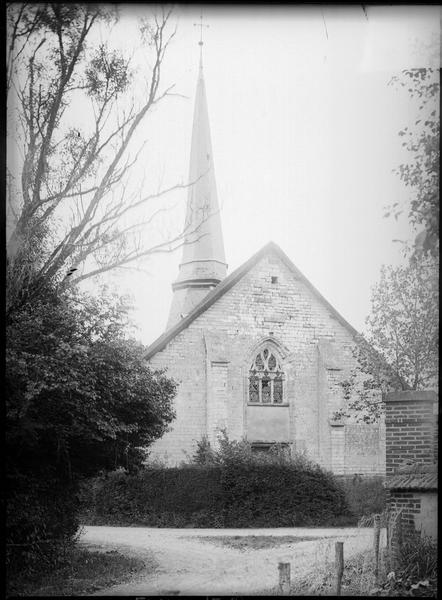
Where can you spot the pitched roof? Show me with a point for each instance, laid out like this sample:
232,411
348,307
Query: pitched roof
225,285
412,481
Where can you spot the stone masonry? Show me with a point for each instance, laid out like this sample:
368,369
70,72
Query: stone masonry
210,358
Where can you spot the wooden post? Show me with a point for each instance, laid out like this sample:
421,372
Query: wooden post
284,579
376,536
397,541
339,565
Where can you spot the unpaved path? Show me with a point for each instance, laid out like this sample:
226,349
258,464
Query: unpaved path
190,565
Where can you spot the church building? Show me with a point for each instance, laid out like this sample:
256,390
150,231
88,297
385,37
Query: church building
259,352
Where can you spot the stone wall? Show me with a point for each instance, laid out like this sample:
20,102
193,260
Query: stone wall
211,358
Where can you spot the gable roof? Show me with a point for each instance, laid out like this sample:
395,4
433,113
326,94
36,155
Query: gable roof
161,342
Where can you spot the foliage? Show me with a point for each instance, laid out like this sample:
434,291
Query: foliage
419,558
365,387
237,489
417,573
76,387
77,572
80,398
365,496
401,348
229,452
404,321
421,173
42,519
68,202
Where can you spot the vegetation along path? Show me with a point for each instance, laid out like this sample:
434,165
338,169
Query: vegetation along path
222,561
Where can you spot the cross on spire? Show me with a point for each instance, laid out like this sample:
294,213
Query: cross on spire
201,25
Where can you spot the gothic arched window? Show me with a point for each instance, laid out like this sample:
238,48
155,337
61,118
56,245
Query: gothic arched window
266,378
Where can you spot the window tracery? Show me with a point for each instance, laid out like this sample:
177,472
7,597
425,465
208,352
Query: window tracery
266,378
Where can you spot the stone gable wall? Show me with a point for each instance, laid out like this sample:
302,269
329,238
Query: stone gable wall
215,351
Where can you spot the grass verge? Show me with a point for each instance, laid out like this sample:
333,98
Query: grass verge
359,580
82,572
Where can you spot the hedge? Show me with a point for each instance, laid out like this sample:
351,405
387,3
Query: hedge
284,495
365,495
42,518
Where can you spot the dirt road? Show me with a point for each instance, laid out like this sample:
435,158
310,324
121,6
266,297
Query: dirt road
189,564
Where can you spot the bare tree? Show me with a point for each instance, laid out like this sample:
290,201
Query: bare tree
69,203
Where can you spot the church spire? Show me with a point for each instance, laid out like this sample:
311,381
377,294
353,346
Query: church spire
203,263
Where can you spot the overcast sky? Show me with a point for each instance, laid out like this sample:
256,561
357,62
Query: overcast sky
305,137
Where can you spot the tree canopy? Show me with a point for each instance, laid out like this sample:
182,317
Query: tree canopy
78,390
421,172
80,399
400,350
80,396
71,211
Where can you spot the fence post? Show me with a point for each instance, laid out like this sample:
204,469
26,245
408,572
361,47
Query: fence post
396,540
377,532
284,579
339,565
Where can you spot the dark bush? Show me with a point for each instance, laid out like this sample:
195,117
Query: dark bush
42,519
365,495
230,495
80,399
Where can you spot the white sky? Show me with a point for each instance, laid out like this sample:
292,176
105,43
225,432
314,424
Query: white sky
304,134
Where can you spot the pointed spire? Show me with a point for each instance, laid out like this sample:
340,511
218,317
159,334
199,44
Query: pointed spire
203,264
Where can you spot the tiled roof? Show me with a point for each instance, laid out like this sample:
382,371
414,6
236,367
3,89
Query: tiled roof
412,481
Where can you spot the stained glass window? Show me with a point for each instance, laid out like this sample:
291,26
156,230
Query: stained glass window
266,379
259,363
277,391
254,389
265,391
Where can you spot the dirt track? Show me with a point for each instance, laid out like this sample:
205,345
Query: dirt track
189,566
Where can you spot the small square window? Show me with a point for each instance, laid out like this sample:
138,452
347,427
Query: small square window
274,279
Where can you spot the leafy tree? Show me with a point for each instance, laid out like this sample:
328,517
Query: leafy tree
404,321
72,214
78,388
421,173
80,398
401,348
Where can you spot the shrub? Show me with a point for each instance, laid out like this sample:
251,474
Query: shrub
231,487
365,496
42,518
418,559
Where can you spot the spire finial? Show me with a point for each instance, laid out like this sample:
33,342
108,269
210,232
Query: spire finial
200,43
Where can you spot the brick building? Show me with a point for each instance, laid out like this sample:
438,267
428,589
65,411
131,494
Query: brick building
258,352
411,459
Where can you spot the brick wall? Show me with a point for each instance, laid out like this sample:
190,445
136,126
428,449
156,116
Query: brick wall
316,351
411,452
410,433
409,502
